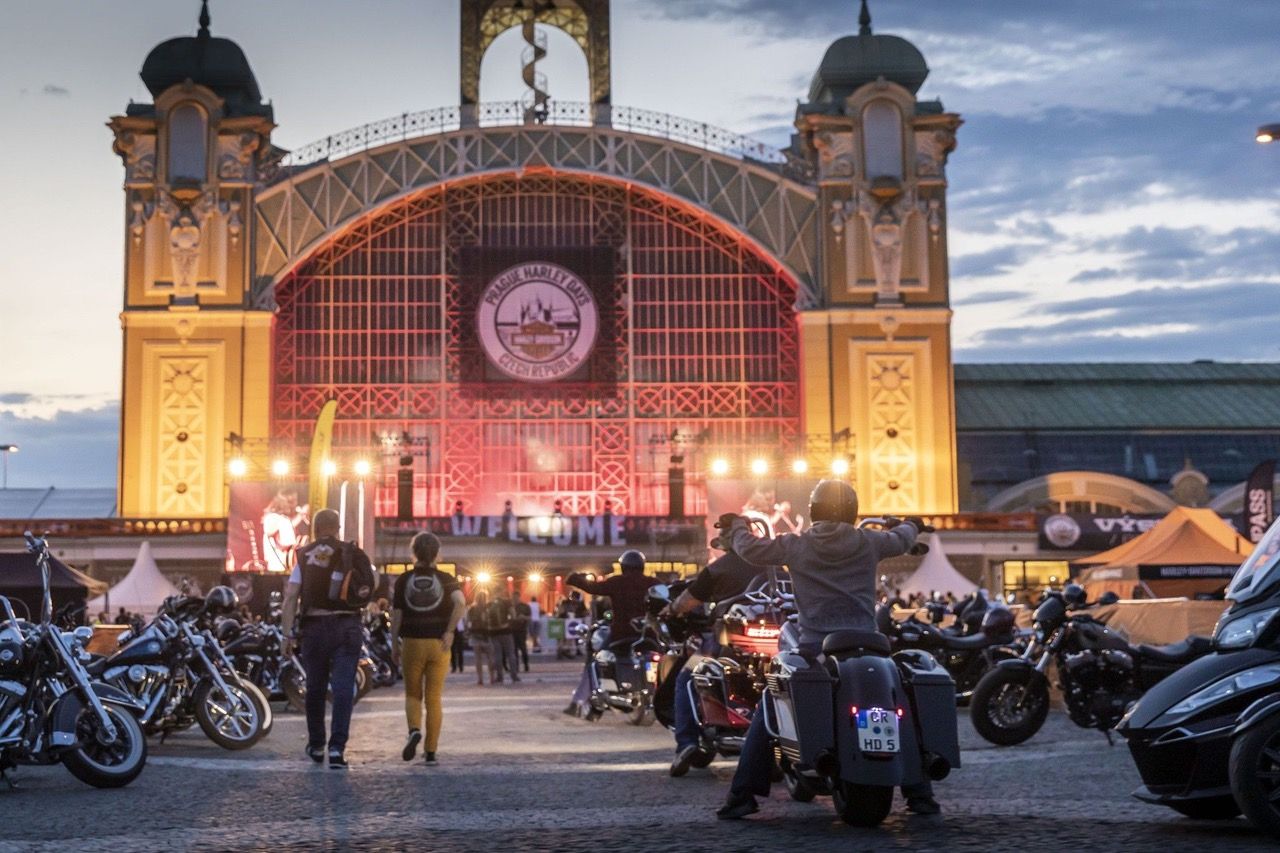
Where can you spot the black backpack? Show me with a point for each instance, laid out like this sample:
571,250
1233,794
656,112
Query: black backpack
354,582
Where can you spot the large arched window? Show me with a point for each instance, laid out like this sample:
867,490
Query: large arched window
882,138
187,144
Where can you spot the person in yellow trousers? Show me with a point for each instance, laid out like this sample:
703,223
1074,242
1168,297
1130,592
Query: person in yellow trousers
426,606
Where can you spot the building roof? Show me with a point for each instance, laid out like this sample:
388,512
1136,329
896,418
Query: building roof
1127,396
53,503
854,61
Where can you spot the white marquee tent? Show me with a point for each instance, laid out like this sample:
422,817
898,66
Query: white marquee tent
141,591
936,574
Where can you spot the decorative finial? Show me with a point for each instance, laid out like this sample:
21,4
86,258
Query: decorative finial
204,20
864,20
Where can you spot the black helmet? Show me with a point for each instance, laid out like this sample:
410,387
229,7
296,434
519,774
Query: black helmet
833,500
632,560
221,599
997,622
1074,595
1108,597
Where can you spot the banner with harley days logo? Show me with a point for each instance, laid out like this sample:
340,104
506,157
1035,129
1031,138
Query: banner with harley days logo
1258,509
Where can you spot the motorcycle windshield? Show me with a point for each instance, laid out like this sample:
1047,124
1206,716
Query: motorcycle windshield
1260,571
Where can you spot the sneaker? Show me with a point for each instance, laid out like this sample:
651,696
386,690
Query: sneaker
573,710
515,679
336,760
923,805
315,753
683,761
411,745
737,807
431,759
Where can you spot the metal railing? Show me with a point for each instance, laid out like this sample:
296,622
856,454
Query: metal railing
513,114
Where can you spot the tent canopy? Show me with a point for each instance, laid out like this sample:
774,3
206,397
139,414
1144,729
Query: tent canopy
936,574
1183,537
20,580
141,591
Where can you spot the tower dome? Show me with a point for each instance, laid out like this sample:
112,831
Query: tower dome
854,61
216,63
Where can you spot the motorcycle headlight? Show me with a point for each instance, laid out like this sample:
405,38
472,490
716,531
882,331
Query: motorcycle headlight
1225,688
1243,631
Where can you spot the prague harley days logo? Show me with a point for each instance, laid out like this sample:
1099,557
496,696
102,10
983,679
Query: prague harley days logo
537,322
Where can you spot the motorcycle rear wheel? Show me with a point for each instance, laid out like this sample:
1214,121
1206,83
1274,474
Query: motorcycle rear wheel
111,765
641,715
231,721
862,805
798,787
1255,774
993,712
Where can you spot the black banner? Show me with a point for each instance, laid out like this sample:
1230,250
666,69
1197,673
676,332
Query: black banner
1258,510
563,531
1085,532
1157,573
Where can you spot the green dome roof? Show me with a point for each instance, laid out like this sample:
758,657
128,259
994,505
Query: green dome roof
854,61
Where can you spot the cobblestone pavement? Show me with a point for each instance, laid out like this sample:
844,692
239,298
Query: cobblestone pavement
517,774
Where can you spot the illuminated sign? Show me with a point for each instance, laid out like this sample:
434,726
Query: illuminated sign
537,322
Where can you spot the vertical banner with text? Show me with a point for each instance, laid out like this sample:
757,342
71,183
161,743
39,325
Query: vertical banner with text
1258,509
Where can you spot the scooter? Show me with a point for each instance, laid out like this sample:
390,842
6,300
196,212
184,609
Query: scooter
1206,739
859,721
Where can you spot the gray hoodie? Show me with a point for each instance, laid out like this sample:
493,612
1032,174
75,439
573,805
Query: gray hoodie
833,570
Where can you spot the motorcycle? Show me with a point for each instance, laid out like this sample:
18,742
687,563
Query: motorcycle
1206,740
377,649
859,721
177,673
968,657
51,711
624,674
1099,673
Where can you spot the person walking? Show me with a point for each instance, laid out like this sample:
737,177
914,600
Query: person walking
535,623
501,621
520,632
426,605
330,632
457,651
478,631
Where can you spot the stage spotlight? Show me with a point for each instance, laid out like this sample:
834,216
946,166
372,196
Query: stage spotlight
840,466
759,467
719,467
329,467
362,468
280,467
238,467
799,466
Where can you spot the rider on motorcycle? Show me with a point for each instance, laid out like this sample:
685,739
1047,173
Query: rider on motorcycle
724,578
833,574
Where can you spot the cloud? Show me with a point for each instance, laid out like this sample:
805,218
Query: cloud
1100,274
989,297
55,91
66,449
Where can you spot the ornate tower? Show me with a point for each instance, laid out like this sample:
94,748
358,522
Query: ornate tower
586,21
196,337
877,353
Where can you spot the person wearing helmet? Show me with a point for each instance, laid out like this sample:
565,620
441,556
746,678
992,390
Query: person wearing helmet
628,593
221,601
833,575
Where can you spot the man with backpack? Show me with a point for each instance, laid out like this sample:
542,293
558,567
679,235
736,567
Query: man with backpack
330,585
501,621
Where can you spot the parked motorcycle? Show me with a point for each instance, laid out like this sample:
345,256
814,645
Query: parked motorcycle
1206,740
859,721
1098,672
51,711
967,657
174,669
377,649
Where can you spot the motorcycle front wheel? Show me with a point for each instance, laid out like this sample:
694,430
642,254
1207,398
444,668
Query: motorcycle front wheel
264,705
862,805
232,719
1255,775
641,715
107,765
1009,706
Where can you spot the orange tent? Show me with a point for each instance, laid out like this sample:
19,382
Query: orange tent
1186,552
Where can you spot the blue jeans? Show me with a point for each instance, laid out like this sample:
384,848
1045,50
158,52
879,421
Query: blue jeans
330,653
755,765
686,727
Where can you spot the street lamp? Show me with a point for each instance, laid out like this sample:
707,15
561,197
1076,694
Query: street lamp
1267,133
6,449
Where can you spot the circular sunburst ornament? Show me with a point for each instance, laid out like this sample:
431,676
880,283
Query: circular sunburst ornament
537,322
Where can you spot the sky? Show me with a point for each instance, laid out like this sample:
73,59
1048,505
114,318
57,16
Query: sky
1107,201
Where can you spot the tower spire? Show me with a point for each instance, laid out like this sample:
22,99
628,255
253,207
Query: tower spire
864,20
204,20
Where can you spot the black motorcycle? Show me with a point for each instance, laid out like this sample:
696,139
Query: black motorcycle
377,649
1206,740
51,710
1098,672
174,669
624,673
967,656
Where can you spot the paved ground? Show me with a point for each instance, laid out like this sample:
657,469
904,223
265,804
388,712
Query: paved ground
516,774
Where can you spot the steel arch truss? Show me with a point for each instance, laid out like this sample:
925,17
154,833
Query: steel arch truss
296,216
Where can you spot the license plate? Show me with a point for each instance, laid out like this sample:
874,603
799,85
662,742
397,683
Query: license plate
877,730
650,672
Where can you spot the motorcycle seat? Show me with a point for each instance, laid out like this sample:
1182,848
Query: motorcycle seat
973,641
97,665
872,642
1185,650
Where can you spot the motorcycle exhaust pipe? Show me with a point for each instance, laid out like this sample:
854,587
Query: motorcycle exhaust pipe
936,767
827,763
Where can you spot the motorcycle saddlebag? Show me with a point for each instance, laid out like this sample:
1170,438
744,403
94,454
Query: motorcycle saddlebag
932,693
804,708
